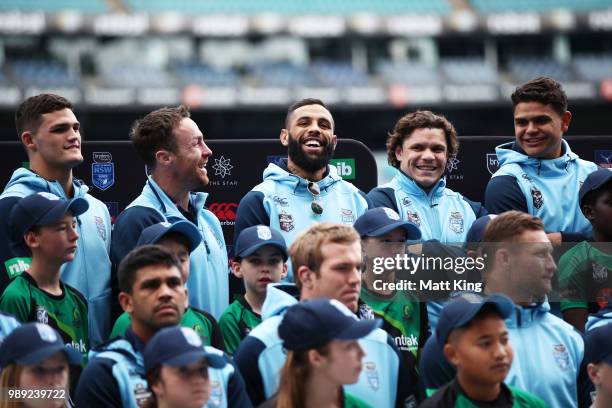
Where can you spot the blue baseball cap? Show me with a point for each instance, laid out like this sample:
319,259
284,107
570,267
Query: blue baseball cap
598,345
41,209
253,238
594,181
315,322
380,221
152,234
477,231
461,311
178,346
32,343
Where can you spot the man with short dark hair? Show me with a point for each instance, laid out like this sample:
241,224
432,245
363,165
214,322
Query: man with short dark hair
50,133
153,294
539,174
173,148
304,188
419,147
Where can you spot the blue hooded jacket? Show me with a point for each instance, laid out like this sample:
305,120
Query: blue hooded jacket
208,281
283,202
442,214
384,380
548,188
89,272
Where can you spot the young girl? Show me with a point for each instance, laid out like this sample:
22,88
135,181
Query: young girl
323,355
33,358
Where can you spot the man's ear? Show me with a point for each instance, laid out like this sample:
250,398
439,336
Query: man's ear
163,157
565,121
236,269
398,153
587,210
125,300
335,141
306,276
27,138
31,239
284,137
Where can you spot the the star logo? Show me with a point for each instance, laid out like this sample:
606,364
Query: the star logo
222,167
452,164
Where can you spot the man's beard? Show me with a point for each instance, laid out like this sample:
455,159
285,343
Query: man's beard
309,164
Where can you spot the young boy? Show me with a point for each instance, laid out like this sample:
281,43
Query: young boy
476,342
180,238
598,361
260,259
45,225
585,271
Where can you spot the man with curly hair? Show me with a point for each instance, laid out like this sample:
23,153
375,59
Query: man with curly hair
419,147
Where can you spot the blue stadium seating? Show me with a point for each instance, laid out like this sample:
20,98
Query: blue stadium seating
43,73
593,67
526,68
407,72
468,71
338,74
195,73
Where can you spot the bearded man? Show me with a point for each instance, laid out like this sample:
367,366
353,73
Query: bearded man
303,188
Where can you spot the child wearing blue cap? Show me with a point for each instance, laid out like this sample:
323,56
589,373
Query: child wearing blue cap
323,355
180,238
33,357
183,373
474,338
45,225
585,271
598,362
260,259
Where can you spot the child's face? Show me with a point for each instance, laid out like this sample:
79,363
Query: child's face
180,249
58,240
264,266
482,353
600,213
601,376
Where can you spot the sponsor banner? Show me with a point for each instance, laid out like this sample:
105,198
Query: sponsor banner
102,170
345,167
225,212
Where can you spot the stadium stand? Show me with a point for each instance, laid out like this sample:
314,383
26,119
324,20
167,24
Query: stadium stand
496,6
85,6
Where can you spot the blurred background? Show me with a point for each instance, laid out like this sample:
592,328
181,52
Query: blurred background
240,63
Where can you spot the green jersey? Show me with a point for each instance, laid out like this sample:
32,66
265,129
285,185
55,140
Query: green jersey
201,322
236,322
66,313
585,278
453,396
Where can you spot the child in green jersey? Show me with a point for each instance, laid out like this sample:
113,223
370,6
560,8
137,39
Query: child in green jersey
585,271
180,238
476,341
260,259
46,225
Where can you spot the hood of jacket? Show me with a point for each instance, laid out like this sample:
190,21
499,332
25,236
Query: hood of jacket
510,152
279,173
27,178
525,316
279,296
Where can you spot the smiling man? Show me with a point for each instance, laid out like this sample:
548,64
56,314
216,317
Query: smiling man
51,135
419,147
302,189
539,174
173,149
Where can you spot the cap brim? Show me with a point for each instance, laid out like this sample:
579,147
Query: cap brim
73,356
501,303
191,357
412,231
359,329
252,249
597,186
187,229
76,206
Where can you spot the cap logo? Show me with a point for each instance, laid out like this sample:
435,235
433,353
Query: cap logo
264,232
48,196
46,333
392,215
342,308
191,337
166,224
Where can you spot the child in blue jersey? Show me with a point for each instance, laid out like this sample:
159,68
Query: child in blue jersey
183,373
323,355
598,361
